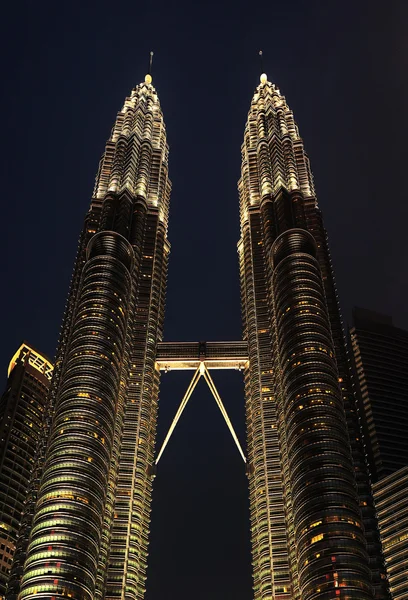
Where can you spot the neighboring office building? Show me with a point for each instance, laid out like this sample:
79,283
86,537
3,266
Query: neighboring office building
391,500
21,421
380,353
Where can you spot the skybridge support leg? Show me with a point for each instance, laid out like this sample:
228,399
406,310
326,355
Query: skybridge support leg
224,413
182,406
201,371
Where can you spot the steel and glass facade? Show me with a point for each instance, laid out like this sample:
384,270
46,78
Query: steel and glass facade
380,365
22,416
310,497
313,527
90,530
391,500
380,356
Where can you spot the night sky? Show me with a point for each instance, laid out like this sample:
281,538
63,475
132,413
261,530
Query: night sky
67,67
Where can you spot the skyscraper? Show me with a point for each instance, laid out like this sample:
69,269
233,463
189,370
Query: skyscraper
380,352
380,361
306,467
305,451
391,501
90,530
22,409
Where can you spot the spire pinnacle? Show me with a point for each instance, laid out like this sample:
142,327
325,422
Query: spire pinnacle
148,78
264,77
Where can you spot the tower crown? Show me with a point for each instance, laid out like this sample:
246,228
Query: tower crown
136,154
273,157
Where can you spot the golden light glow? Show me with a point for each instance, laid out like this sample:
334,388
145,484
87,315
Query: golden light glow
201,371
273,156
145,174
390,496
185,356
35,359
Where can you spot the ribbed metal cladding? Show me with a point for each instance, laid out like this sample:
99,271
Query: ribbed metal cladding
267,514
329,536
63,552
91,523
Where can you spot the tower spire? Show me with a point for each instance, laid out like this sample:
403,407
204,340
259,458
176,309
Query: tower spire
263,76
279,247
124,238
148,77
150,62
261,60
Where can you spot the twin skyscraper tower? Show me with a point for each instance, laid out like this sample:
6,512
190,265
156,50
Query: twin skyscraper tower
314,533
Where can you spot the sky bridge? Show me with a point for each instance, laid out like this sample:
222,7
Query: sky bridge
189,355
200,357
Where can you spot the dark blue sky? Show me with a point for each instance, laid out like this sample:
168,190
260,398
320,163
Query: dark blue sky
343,66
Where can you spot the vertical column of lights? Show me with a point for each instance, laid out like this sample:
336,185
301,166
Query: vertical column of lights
391,500
271,572
89,538
315,225
90,226
277,195
325,506
147,147
127,564
22,410
67,525
370,522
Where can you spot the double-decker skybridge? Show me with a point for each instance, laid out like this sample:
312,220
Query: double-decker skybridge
200,357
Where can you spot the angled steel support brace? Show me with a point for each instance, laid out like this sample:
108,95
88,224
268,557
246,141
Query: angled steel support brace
182,406
201,371
220,405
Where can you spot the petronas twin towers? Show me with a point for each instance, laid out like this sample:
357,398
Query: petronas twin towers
312,522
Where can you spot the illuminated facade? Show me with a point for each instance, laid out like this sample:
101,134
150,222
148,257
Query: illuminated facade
305,459
391,501
90,530
380,363
22,410
310,497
